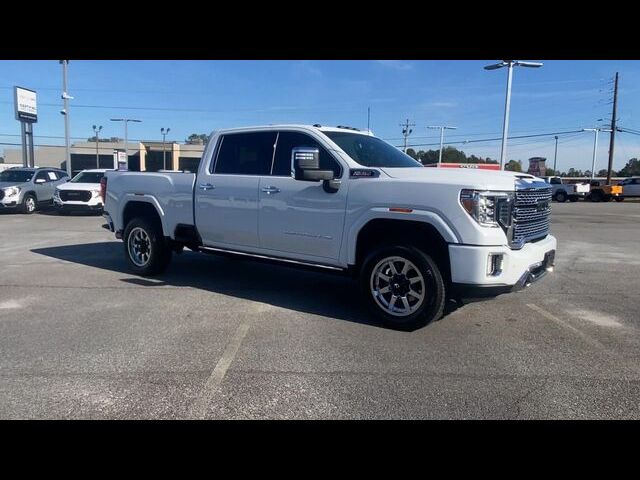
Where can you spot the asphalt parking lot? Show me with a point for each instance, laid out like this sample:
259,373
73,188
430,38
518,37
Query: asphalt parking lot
219,338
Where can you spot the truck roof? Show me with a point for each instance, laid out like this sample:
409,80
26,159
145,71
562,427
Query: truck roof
316,127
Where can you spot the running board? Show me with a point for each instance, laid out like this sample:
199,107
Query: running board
274,259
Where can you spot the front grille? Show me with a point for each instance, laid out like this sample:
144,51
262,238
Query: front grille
75,195
531,211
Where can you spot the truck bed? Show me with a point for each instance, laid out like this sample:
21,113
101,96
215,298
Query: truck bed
170,192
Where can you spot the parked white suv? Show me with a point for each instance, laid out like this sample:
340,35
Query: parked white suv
81,193
341,199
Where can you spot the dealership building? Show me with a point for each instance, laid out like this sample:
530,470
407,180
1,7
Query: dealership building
149,156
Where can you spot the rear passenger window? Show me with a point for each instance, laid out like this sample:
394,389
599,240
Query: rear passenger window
246,153
287,141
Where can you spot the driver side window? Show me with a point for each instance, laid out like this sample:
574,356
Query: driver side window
289,140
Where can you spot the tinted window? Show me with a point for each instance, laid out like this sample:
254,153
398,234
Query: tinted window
287,141
371,151
556,181
246,153
17,176
87,177
43,174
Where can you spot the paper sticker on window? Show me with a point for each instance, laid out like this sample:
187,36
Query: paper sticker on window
52,176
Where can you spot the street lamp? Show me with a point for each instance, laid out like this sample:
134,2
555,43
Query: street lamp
96,130
505,128
164,133
442,129
126,138
595,145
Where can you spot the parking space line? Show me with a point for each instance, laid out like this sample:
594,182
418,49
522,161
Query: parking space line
199,408
590,340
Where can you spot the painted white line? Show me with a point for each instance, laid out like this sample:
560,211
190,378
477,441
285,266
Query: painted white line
199,408
591,341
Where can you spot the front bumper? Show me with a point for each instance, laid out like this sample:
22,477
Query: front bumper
520,267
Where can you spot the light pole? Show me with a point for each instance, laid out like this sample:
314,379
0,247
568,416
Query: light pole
65,112
507,105
126,137
442,129
555,156
595,146
164,157
96,130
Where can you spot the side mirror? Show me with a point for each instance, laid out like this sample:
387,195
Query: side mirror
305,166
40,180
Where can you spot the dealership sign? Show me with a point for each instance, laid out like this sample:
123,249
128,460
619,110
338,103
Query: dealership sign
25,105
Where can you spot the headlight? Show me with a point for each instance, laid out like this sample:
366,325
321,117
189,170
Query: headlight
489,209
11,191
95,193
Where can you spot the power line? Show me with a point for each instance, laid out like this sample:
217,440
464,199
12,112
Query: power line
494,139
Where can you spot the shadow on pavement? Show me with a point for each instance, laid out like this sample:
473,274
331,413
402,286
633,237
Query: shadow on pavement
305,291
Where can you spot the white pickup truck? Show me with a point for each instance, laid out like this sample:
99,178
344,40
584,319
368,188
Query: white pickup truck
561,192
343,200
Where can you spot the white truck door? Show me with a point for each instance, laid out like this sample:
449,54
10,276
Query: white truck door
226,198
299,218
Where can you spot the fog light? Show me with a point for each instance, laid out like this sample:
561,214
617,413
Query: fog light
494,264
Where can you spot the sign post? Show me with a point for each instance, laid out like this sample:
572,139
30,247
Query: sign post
26,109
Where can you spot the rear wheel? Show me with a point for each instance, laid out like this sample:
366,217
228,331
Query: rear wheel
29,203
145,247
597,196
402,286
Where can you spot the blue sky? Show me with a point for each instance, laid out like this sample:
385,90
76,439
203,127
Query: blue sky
200,96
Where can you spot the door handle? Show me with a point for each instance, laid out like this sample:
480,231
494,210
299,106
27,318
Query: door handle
269,190
206,186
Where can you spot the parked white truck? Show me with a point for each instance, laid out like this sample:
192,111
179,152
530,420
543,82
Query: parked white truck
561,191
343,200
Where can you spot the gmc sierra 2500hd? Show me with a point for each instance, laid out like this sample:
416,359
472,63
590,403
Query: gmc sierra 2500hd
342,199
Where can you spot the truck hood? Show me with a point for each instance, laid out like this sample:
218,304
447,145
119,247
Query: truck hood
462,177
79,186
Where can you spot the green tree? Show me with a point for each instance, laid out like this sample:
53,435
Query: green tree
412,153
631,169
550,172
197,138
513,165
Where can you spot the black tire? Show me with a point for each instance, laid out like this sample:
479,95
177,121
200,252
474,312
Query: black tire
573,198
561,197
432,287
597,196
29,204
619,199
149,238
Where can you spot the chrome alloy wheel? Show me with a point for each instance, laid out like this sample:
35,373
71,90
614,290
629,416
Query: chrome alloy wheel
30,203
397,286
139,245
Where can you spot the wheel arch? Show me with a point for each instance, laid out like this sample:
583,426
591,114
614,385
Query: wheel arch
141,208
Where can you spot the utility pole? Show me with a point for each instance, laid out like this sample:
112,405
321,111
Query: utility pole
555,157
65,112
612,139
596,131
406,131
442,129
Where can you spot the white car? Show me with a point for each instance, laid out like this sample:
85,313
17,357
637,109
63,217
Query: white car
81,193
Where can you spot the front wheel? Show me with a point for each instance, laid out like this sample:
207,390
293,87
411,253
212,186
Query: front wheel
145,247
402,286
29,204
561,197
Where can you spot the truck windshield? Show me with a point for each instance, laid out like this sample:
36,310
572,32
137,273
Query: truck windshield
371,151
87,177
17,176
